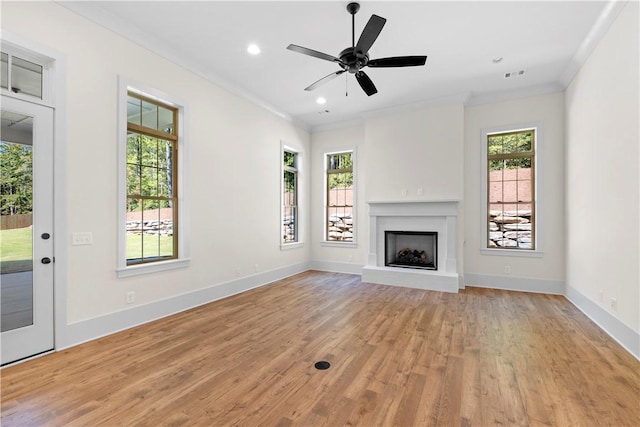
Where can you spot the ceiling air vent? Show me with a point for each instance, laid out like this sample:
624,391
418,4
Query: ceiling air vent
514,74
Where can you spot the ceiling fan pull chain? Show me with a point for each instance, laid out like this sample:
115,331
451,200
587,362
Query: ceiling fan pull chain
346,85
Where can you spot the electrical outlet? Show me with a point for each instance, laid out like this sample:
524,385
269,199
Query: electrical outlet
85,238
131,297
507,269
613,304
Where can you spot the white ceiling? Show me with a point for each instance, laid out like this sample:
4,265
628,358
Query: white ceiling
549,40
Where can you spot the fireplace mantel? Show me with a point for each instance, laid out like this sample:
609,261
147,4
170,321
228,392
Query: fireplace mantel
419,215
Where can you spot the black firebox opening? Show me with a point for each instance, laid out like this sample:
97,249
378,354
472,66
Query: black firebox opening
411,249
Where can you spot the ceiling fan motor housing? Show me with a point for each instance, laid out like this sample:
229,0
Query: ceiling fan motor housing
353,61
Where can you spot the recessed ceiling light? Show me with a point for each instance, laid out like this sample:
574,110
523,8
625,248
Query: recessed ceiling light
321,101
253,49
497,59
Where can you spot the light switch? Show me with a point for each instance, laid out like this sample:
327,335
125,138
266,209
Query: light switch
85,238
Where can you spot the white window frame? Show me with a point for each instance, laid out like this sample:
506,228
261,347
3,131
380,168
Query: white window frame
539,203
123,270
354,159
46,64
300,167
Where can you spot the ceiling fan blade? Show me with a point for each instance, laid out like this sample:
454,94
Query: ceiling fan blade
314,53
324,80
398,61
370,33
365,83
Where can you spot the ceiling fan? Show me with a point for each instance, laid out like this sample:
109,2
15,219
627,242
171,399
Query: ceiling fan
353,59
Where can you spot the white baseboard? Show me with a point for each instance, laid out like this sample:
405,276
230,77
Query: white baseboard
512,283
336,267
91,329
622,333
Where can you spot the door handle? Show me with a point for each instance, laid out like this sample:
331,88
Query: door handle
46,260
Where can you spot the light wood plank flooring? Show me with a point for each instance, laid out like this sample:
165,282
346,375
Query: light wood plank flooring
398,357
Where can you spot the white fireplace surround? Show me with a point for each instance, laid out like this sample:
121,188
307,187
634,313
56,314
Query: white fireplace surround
439,216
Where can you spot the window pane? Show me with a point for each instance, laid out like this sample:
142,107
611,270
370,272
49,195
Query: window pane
510,143
525,141
495,170
150,229
149,115
26,77
148,150
289,159
165,120
494,144
134,230
133,179
133,148
509,191
149,181
4,71
163,183
134,110
289,224
289,188
495,192
524,191
166,229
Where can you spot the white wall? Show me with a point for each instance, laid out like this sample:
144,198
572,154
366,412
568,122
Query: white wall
602,107
544,273
412,150
234,169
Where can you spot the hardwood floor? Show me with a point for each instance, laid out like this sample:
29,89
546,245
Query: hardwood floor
398,357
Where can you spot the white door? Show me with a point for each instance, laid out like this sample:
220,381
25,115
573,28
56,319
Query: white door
26,232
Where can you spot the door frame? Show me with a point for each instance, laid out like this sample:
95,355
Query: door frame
54,96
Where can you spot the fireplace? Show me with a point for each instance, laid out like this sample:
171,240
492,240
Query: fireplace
434,221
411,249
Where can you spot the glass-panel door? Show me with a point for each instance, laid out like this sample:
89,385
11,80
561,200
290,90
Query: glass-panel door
26,240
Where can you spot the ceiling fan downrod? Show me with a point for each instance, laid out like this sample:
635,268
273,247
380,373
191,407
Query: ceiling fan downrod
353,8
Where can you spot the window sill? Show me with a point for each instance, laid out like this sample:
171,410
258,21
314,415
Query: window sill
287,246
136,270
337,244
512,252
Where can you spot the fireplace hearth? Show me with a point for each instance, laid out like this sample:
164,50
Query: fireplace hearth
411,249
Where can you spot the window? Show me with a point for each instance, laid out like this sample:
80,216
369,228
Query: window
152,199
290,217
152,210
339,197
511,192
21,76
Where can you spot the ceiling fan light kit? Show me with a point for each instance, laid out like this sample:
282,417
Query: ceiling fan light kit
354,58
